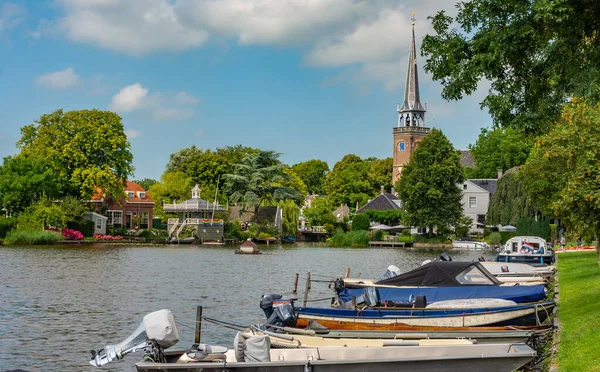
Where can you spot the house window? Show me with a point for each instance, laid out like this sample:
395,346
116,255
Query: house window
465,186
472,201
142,195
481,220
98,224
115,219
130,194
144,220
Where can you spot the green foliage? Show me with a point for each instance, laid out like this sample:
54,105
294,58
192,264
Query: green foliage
320,212
7,224
290,214
43,214
495,238
360,222
463,225
534,54
531,227
174,186
293,182
428,184
348,182
146,183
350,239
27,236
233,230
312,173
505,235
510,202
500,148
86,149
86,227
377,235
24,180
259,178
562,172
380,173
390,217
74,209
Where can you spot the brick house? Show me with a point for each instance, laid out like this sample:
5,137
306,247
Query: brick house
124,215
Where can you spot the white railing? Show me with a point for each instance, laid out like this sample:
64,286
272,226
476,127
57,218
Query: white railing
174,227
192,207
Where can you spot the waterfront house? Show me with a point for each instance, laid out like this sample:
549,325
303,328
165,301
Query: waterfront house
477,194
198,214
133,211
383,202
273,215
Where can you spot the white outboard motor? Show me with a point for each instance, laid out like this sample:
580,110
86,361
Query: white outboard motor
158,326
391,272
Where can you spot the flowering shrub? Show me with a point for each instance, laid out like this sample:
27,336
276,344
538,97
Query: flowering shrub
70,234
107,237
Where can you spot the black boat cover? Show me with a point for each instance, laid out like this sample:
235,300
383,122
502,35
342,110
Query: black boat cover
444,274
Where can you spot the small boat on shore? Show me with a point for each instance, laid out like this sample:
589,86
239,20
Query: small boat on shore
470,244
248,247
526,249
514,269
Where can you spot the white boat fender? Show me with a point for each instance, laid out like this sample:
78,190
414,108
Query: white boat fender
205,352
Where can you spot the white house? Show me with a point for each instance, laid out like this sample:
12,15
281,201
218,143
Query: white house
477,194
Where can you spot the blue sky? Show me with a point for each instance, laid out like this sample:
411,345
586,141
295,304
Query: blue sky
312,79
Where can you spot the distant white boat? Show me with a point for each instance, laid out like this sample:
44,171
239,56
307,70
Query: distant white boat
471,244
526,249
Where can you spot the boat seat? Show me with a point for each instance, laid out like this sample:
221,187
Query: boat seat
204,352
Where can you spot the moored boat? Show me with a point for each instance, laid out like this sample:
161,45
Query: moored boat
470,244
526,249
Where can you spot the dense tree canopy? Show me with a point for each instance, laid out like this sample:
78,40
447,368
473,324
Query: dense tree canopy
85,149
511,202
146,183
259,178
562,172
428,185
173,186
312,173
380,173
320,212
500,148
534,54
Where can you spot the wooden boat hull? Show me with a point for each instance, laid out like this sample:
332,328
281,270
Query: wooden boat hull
480,358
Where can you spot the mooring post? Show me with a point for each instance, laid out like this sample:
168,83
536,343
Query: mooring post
307,288
347,272
296,283
198,324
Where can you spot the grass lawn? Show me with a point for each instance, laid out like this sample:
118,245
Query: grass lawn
579,312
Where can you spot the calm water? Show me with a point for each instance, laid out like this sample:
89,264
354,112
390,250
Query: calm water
58,303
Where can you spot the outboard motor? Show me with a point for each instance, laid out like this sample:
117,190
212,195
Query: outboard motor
391,272
371,296
266,303
157,330
339,285
445,257
279,312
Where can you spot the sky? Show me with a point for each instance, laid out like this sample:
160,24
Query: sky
311,79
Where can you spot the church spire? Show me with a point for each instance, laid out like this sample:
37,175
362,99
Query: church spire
411,113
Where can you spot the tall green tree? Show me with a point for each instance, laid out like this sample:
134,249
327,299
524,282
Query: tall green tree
380,173
348,182
500,148
290,214
320,212
428,185
86,149
562,172
146,183
511,202
24,180
173,187
533,53
258,179
312,173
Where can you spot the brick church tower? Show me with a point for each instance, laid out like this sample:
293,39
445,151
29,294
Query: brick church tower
411,115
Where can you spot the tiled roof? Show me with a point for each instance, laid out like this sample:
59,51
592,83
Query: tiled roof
131,186
382,202
466,159
488,184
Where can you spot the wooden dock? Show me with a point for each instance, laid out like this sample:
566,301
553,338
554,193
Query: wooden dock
387,244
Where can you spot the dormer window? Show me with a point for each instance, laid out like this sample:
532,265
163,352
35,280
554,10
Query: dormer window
464,186
142,194
130,194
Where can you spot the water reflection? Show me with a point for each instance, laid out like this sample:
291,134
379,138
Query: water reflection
57,303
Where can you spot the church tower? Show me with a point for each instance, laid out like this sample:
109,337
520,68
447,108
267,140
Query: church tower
411,115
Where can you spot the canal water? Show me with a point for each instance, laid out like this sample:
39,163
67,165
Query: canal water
58,303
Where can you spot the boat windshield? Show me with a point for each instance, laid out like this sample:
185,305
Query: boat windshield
472,275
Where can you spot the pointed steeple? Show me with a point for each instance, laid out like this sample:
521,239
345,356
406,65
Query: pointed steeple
411,113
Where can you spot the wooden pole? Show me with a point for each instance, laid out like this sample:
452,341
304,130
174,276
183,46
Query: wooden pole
347,272
296,283
198,324
307,288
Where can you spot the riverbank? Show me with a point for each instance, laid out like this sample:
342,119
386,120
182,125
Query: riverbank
579,312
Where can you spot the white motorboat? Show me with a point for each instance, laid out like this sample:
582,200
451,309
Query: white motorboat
526,249
470,244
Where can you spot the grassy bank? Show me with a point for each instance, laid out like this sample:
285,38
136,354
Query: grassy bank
579,312
31,237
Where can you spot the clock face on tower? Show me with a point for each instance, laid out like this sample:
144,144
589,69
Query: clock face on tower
401,146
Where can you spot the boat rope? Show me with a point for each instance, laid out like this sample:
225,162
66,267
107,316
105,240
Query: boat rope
222,323
320,299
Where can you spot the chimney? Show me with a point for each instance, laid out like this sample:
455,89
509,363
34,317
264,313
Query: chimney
382,189
393,192
499,173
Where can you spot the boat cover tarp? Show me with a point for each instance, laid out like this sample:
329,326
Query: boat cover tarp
385,313
439,274
518,294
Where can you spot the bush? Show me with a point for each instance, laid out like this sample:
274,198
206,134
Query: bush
70,234
7,224
32,237
85,226
360,222
350,239
107,237
377,235
495,238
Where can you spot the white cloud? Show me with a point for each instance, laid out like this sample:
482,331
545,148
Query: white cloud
159,106
11,15
133,26
132,134
132,97
58,80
